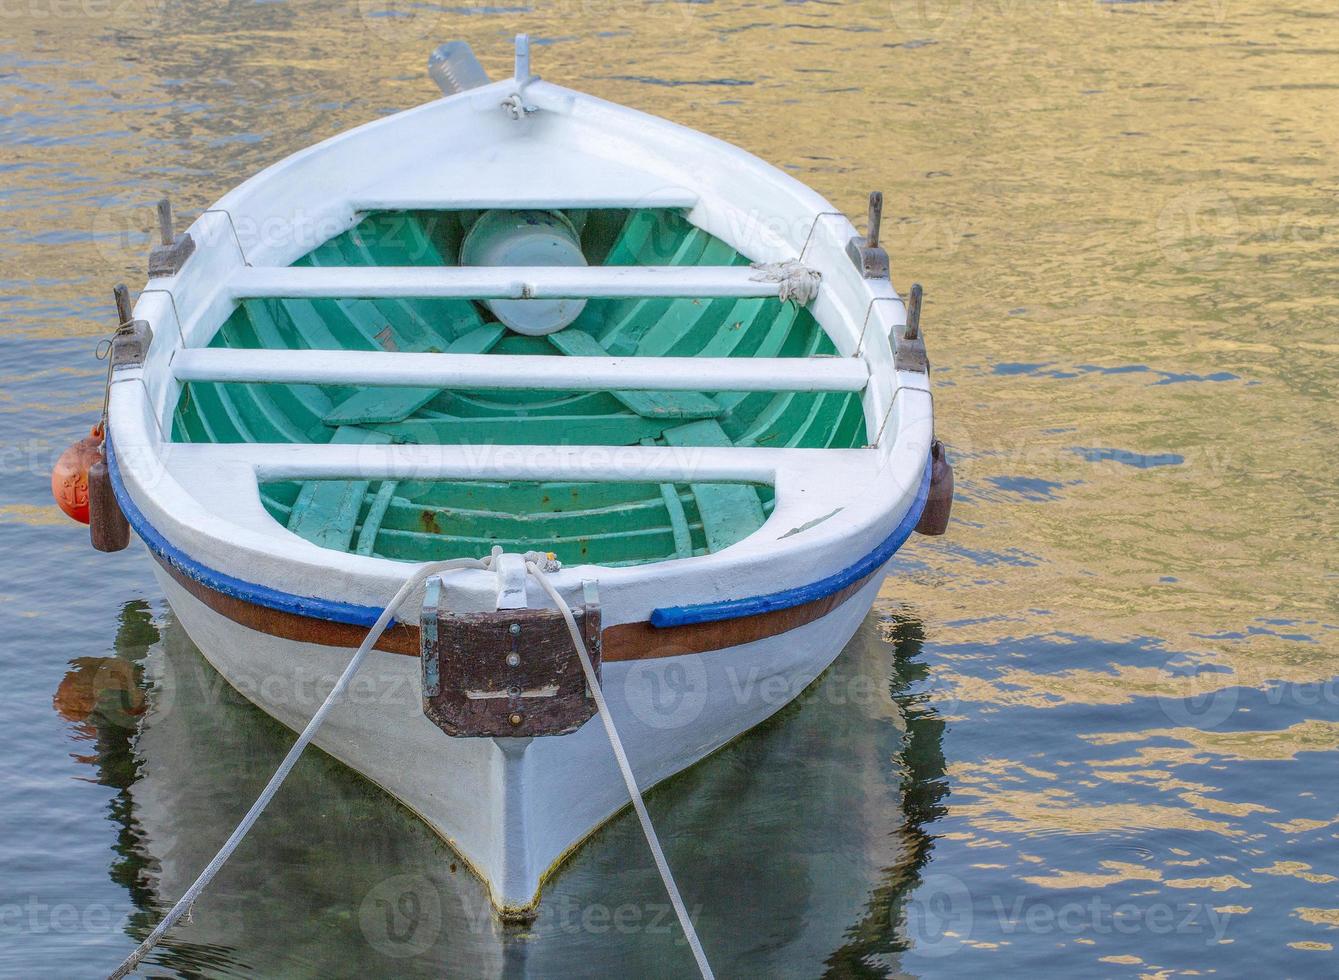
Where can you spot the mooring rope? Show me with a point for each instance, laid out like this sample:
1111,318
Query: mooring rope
183,905
629,779
188,899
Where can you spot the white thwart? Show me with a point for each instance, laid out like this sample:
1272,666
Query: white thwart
521,371
593,464
486,282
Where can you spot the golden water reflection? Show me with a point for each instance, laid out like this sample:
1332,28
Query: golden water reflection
1123,215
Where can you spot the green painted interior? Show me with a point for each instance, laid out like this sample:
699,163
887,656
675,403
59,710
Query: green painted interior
612,524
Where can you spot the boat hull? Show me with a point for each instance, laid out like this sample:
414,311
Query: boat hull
514,809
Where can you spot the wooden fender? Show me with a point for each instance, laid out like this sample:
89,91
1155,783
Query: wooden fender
934,519
108,528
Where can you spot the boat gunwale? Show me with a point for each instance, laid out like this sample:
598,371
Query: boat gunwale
896,436
355,614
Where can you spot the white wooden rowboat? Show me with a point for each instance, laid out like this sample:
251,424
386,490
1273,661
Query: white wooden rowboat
709,403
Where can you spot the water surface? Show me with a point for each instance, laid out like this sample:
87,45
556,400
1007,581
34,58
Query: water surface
1092,732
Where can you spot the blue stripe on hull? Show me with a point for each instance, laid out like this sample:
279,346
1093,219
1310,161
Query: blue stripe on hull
260,595
710,612
348,612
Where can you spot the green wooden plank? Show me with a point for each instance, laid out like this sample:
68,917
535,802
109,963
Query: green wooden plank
646,238
326,511
648,404
253,325
634,238
610,547
624,325
730,511
214,413
773,333
312,326
374,405
525,430
419,323
669,493
405,514
530,498
482,404
367,534
695,320
785,411
850,428
683,538
265,420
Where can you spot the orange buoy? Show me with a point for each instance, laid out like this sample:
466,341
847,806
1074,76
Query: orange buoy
69,477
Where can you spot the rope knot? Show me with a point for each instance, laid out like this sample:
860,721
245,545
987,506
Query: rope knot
798,281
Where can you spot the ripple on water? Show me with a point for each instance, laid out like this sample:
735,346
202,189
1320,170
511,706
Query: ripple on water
970,791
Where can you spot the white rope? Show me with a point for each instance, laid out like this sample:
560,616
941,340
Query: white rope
188,899
634,793
424,572
798,282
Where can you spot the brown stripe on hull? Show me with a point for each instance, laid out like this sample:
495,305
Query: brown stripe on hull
625,641
642,641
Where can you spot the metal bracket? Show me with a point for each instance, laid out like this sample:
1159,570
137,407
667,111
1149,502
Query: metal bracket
512,673
131,341
523,74
909,347
168,258
515,104
455,69
869,258
590,601
427,626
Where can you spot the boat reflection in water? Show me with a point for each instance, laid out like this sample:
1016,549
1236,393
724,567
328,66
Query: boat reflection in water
794,846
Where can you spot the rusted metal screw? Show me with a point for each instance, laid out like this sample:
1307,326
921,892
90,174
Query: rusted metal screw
515,718
513,660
